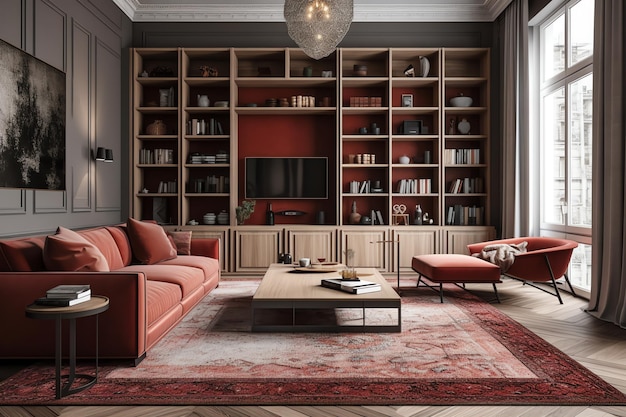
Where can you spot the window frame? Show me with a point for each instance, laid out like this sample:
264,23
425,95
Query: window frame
540,89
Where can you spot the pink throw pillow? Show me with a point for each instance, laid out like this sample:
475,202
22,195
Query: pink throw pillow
181,241
69,251
149,242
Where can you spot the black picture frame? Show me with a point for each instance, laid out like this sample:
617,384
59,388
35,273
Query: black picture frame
32,122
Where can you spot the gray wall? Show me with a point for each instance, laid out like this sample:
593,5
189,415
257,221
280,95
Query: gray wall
268,35
86,40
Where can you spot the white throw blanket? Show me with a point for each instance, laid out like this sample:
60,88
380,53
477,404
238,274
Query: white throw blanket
502,254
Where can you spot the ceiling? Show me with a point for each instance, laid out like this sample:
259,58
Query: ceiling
272,10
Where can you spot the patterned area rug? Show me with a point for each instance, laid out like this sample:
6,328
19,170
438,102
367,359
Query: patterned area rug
461,352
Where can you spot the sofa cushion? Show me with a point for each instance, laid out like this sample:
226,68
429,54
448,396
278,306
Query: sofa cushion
209,266
22,255
102,239
161,297
181,241
123,244
187,278
149,242
69,251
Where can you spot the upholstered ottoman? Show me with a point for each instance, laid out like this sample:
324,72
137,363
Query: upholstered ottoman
455,269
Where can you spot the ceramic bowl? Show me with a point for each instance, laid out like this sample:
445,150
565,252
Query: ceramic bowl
461,101
221,104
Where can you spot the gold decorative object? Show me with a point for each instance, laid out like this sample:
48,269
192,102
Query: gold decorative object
317,26
156,128
208,71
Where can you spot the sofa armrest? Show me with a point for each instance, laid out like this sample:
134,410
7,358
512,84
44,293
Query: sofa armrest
206,246
122,328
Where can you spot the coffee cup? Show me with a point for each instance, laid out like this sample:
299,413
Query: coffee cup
305,262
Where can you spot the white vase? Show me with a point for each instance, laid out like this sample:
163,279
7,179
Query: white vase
203,101
464,126
424,66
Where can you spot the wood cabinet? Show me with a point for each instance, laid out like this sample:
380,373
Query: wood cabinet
456,239
382,117
465,173
256,248
413,241
312,242
367,245
156,135
206,139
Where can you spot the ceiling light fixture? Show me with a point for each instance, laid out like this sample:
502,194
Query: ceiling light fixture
317,26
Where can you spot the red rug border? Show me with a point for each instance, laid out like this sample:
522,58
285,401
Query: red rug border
561,380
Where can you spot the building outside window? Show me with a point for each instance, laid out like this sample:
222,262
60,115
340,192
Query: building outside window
563,50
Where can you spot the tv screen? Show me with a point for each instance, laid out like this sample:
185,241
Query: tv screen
287,177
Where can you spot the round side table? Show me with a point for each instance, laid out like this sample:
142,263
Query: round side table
96,305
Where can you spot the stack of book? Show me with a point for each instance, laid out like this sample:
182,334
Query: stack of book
65,295
351,286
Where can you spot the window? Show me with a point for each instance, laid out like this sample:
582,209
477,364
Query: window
564,138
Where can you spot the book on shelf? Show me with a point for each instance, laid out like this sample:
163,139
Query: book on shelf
69,291
61,302
352,287
459,215
414,186
379,216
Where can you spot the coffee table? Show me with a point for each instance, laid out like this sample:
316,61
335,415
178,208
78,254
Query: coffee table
284,288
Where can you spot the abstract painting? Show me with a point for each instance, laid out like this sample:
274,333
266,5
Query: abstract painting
32,122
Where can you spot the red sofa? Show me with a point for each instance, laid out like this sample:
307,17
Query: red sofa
151,287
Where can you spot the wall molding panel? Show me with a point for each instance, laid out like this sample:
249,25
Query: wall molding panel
107,125
46,201
80,109
75,36
12,201
47,41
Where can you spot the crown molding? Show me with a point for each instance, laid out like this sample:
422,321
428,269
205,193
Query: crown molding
433,11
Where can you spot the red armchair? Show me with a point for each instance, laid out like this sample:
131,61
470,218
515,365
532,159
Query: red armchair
546,259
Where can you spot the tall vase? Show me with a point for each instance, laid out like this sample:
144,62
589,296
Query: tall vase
424,66
355,218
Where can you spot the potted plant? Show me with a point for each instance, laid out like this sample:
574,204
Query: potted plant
244,211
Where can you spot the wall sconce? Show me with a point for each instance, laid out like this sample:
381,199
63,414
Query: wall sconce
104,154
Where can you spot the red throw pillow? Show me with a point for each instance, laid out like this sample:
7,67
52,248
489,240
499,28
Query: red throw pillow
149,242
69,251
181,241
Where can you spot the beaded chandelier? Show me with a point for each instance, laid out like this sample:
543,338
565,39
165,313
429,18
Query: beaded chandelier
317,26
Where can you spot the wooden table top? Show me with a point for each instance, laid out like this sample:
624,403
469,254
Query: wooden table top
282,282
96,305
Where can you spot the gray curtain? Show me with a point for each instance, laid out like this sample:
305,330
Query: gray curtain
514,152
608,289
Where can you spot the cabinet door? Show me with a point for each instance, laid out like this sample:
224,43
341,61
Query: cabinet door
369,247
420,241
312,244
255,250
458,239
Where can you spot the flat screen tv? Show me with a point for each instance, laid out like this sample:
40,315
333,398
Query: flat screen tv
288,177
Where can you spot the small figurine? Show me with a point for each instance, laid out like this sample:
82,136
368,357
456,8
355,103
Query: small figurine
409,71
208,71
452,130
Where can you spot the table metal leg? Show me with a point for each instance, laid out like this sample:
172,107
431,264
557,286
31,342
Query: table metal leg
58,357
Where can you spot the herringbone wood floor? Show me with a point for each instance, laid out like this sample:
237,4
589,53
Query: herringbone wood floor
599,346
